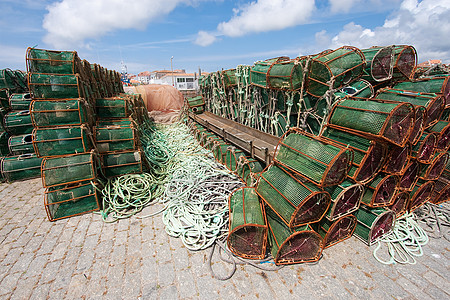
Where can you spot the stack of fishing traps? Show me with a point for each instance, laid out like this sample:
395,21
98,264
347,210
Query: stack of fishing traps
371,143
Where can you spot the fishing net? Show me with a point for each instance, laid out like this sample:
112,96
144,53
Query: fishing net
400,203
4,138
113,108
259,71
21,144
373,223
297,203
53,62
20,101
397,159
334,232
18,122
405,62
380,191
115,138
196,104
424,149
64,112
58,86
247,235
411,175
437,85
434,170
379,63
59,141
22,167
121,163
13,81
345,199
420,117
442,128
421,193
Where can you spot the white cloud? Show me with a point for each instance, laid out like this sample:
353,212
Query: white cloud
424,24
71,22
205,39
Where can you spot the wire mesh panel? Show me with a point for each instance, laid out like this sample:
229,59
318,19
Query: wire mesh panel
442,128
69,169
21,144
397,159
432,102
411,175
4,99
313,158
59,141
232,157
291,246
14,81
400,203
22,167
196,104
115,138
389,121
334,69
345,199
50,61
380,191
229,78
405,62
113,108
334,232
247,235
57,86
64,112
373,223
369,155
20,101
249,169
437,85
434,170
121,163
420,117
286,75
379,63
441,192
297,203
360,88
71,200
4,138
18,122
424,149
421,193
258,72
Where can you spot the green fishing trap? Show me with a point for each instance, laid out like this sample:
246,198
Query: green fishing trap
53,62
233,158
58,86
405,58
121,163
58,141
345,199
292,246
397,159
247,236
22,167
20,101
229,78
64,112
4,99
380,191
313,158
400,203
442,128
434,170
420,194
70,200
21,144
4,141
437,85
373,223
441,192
297,203
196,104
420,117
410,176
14,81
115,138
360,88
424,149
259,71
249,170
379,63
18,122
113,108
334,232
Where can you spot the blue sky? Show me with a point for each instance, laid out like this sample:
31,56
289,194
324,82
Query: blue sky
216,34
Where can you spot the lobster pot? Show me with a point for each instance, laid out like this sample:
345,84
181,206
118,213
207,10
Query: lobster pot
113,108
380,191
4,99
121,163
247,235
334,69
442,129
233,158
229,78
69,169
369,155
219,151
360,88
400,203
22,167
249,169
421,193
410,177
334,232
70,200
64,112
437,85
424,149
397,159
204,136
286,75
53,62
4,141
379,63
196,104
345,199
432,102
21,144
441,191
292,246
389,121
115,138
20,101
14,81
59,141
434,170
373,223
210,141
313,158
57,86
125,122
259,71
420,117
18,122
297,203
405,62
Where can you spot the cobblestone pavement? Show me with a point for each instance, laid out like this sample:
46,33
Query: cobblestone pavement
82,257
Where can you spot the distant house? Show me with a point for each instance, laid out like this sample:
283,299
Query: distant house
181,81
430,63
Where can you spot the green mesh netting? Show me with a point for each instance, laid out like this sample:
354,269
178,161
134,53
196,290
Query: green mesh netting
232,157
437,85
360,88
14,81
248,170
259,71
405,61
379,63
116,164
337,231
21,167
52,62
380,191
21,144
18,122
115,138
196,101
229,77
345,199
4,138
442,128
421,193
62,140
47,113
20,101
4,99
111,108
420,117
373,223
57,86
286,75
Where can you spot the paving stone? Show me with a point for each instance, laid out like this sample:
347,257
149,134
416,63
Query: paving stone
437,293
40,292
168,293
36,267
166,274
24,288
8,284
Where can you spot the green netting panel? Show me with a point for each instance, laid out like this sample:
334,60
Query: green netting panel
210,141
360,88
434,170
18,122
369,155
390,121
115,138
53,62
432,102
4,138
22,167
291,246
297,203
286,75
424,149
113,108
400,203
219,150
71,200
345,199
373,223
420,194
420,117
64,112
57,86
334,69
14,81
380,191
20,101
124,122
442,128
397,159
69,169
249,169
62,140
196,101
259,71
379,63
318,160
121,163
4,99
410,176
233,158
21,144
405,58
247,235
229,77
437,85
334,232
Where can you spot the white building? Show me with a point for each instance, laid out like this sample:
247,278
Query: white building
181,81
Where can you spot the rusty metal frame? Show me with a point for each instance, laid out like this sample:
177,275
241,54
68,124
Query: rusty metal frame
371,241
332,207
413,204
135,137
436,160
400,195
377,189
333,225
28,59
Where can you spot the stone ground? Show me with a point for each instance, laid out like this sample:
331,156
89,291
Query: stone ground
82,257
